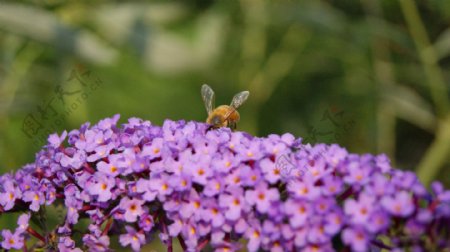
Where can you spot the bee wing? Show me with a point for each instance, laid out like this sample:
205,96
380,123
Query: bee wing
208,98
239,99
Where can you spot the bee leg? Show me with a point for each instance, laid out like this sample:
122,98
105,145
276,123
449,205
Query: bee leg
210,127
233,126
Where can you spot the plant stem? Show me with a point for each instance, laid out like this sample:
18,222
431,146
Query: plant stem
427,55
437,154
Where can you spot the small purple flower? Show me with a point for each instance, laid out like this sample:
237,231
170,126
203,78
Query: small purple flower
181,183
108,123
300,237
96,243
191,233
298,211
211,213
214,187
262,197
36,198
383,163
143,186
305,189
271,172
400,205
175,227
66,244
191,205
379,221
96,216
100,152
274,146
336,154
357,238
233,202
102,187
75,161
9,195
200,170
317,234
155,149
205,147
380,185
357,173
317,168
324,205
132,207
162,186
225,162
72,215
254,236
334,222
360,210
55,141
332,186
12,240
23,223
111,168
146,222
250,152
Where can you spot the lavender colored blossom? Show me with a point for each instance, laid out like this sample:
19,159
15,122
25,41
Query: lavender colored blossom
357,238
132,208
262,197
399,205
23,222
35,197
211,188
9,195
11,240
102,187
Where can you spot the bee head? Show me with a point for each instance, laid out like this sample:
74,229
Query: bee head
216,121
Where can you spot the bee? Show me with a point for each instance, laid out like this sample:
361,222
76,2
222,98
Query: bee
224,115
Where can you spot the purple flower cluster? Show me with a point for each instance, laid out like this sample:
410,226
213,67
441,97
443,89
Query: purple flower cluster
210,189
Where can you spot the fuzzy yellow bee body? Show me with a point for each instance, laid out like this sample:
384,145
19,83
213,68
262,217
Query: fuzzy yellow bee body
224,115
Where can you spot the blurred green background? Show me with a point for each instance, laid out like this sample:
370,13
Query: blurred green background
371,75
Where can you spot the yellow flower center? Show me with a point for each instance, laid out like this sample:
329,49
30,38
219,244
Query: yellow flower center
301,210
261,196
